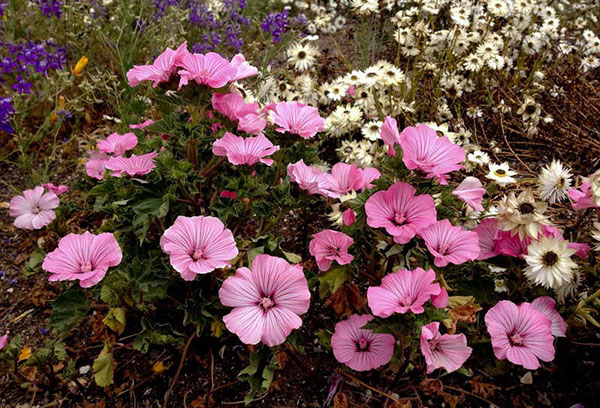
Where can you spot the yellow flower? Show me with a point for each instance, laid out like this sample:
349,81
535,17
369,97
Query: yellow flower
159,367
81,64
25,353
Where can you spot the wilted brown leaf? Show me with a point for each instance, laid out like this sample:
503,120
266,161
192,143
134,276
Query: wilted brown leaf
402,403
431,386
340,400
345,300
466,313
483,389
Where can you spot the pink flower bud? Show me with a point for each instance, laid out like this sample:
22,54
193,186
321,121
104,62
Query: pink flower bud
348,217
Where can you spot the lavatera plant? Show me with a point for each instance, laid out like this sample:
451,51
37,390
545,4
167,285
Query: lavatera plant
194,240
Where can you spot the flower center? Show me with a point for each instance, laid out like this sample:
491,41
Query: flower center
405,301
530,109
333,251
399,218
266,302
526,208
500,173
302,55
443,249
363,345
36,210
516,339
549,259
85,266
197,255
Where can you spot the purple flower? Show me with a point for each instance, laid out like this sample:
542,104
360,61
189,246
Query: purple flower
51,8
276,24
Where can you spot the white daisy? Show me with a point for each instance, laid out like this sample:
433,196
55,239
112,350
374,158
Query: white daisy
501,173
549,262
302,56
554,181
372,130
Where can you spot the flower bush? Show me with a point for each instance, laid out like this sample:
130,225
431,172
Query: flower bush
225,201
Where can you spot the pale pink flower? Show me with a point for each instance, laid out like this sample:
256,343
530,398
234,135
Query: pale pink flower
582,197
547,306
509,245
243,69
403,291
345,178
267,300
307,177
440,300
95,166
448,351
210,69
400,212
328,246
348,217
470,191
248,151
233,106
358,348
160,70
118,144
142,125
435,156
3,341
449,244
34,209
390,134
58,190
252,123
298,118
131,166
520,333
581,247
486,231
84,257
198,245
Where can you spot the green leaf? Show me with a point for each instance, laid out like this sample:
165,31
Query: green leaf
68,309
324,338
332,280
115,319
292,257
252,252
35,260
104,367
158,335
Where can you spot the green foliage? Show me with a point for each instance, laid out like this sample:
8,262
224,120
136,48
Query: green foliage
259,373
159,334
104,367
67,309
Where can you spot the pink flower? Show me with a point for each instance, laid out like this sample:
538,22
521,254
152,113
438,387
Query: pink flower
252,123
403,291
390,134
118,144
3,341
581,247
328,246
58,190
582,198
210,69
520,333
509,245
84,257
449,244
345,178
131,166
142,125
307,177
449,351
228,194
351,90
547,306
422,149
248,151
95,166
361,349
400,212
440,300
160,70
486,231
298,118
34,209
233,106
368,175
242,67
267,300
198,245
348,217
471,192
216,126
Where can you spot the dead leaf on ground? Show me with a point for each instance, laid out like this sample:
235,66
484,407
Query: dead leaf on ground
340,400
345,300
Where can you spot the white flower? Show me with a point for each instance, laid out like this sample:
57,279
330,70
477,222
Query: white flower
501,173
302,56
500,286
596,235
372,130
478,157
549,262
554,181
